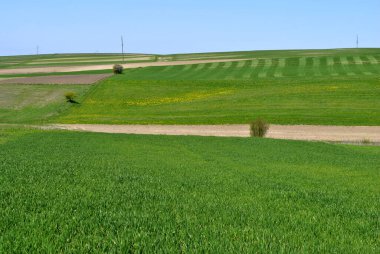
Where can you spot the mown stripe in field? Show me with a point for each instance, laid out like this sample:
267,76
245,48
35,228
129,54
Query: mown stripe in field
200,67
372,64
264,72
252,65
167,68
206,72
241,64
188,67
240,69
302,66
188,71
359,64
219,72
229,73
345,65
330,66
316,67
372,60
215,65
281,65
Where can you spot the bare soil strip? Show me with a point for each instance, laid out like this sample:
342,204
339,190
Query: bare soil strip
108,66
294,132
60,80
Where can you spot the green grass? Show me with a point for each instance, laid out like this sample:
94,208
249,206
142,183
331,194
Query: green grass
343,63
35,103
324,87
86,192
323,101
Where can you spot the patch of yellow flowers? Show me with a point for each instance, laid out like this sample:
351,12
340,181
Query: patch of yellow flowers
188,97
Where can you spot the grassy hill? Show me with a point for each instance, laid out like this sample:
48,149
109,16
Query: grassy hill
86,192
266,64
327,87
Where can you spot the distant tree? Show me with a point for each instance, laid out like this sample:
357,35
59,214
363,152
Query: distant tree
118,69
70,97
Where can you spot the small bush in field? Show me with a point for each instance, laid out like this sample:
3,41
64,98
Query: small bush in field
117,69
70,97
259,128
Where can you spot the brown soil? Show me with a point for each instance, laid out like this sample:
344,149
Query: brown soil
107,66
295,132
63,79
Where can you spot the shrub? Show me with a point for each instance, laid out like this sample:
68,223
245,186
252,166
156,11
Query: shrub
258,128
366,141
70,97
118,69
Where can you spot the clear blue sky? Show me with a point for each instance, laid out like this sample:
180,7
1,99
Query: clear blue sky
173,26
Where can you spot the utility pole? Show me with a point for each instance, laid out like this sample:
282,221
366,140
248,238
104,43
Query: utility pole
357,41
38,49
122,47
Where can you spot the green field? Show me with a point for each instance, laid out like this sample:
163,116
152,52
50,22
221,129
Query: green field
277,64
324,87
86,192
35,103
322,101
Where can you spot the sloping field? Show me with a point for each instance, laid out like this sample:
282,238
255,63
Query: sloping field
102,67
87,192
258,68
315,101
66,79
35,103
314,87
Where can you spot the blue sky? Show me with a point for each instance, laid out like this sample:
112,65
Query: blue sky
174,26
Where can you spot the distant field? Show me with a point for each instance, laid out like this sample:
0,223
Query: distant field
85,192
8,62
350,63
323,87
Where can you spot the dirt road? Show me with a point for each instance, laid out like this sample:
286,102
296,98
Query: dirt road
108,66
295,132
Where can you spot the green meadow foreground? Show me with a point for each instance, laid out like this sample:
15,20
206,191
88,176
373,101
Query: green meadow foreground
86,192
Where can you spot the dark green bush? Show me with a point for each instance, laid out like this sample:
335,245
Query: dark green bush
70,97
259,128
118,69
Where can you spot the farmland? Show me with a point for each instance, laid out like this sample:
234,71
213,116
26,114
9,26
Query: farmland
8,62
83,192
323,87
34,103
276,64
337,101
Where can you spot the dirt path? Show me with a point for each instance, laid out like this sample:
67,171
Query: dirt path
295,132
108,66
63,79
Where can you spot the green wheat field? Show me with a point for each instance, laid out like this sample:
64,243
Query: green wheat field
77,192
